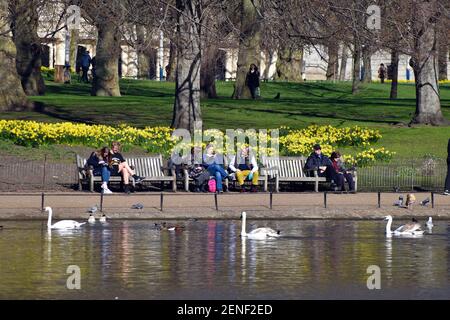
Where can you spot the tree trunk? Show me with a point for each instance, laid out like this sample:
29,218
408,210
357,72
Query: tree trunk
356,68
106,80
208,71
28,58
333,61
74,35
142,56
367,63
186,109
425,65
443,51
394,83
12,96
269,58
289,65
249,46
170,74
343,63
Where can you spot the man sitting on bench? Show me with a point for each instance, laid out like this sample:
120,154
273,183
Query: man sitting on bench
245,167
323,165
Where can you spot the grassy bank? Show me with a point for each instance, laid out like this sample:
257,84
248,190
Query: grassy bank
149,103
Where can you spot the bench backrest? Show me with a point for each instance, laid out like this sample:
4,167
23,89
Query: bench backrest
150,166
227,162
81,162
147,166
288,167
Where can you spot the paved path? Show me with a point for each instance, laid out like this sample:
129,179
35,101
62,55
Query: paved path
202,206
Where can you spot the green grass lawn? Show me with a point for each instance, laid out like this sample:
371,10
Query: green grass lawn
149,103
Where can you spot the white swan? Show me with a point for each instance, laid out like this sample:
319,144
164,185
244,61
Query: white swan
91,218
102,218
63,224
412,228
259,233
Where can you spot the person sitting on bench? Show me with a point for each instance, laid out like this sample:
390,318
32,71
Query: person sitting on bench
99,161
245,167
119,166
322,164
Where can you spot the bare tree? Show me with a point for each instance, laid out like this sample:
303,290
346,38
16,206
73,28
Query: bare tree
186,109
443,47
24,26
289,64
12,96
424,63
333,59
107,17
249,45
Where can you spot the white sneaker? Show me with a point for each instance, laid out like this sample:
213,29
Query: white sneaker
447,193
105,189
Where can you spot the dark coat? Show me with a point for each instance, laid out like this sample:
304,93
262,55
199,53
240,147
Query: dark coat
86,60
314,162
253,79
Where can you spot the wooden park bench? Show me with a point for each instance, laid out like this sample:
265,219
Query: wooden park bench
150,167
291,169
263,178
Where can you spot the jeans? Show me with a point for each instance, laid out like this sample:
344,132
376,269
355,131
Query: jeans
219,174
104,172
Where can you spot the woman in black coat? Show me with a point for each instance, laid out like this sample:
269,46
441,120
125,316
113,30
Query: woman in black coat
252,79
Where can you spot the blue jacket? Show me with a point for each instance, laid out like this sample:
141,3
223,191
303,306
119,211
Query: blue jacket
85,60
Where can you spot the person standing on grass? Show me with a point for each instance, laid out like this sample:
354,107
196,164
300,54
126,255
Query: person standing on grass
245,167
99,160
252,80
382,72
447,180
85,64
119,166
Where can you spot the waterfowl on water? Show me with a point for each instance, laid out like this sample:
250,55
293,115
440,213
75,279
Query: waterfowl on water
259,233
164,226
63,224
102,218
411,228
91,218
430,222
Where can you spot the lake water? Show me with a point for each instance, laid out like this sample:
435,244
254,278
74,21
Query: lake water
209,260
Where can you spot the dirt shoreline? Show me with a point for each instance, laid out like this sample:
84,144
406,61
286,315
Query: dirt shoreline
74,205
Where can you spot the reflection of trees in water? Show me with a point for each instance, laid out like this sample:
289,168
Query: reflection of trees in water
231,246
212,255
